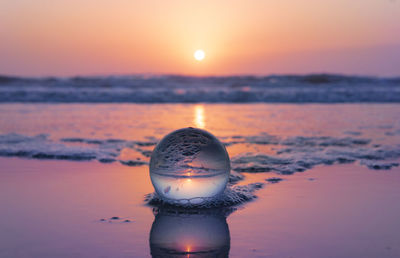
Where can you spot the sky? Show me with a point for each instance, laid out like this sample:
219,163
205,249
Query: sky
254,37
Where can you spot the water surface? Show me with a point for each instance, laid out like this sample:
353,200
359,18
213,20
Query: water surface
73,180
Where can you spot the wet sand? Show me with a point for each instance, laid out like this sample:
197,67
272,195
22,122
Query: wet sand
55,208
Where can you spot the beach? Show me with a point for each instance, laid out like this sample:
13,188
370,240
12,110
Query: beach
56,208
74,180
198,129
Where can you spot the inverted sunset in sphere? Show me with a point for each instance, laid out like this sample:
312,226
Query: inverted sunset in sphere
199,54
189,166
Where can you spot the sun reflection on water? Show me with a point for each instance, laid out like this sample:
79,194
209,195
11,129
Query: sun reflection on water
199,117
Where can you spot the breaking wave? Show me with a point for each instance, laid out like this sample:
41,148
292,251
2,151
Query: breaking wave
314,88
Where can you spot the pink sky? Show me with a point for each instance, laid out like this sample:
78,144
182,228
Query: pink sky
71,37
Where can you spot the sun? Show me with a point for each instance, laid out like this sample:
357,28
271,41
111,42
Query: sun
199,54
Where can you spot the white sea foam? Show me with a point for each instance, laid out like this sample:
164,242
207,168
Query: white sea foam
233,195
41,147
291,155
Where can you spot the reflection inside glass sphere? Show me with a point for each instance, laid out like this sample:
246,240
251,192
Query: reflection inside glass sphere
189,234
189,166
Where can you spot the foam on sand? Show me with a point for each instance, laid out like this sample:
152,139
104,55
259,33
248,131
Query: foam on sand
233,195
292,154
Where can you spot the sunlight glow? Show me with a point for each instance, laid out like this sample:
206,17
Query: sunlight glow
199,55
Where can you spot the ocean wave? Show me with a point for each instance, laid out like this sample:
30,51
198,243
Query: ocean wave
315,88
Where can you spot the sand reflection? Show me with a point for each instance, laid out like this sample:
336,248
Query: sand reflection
189,234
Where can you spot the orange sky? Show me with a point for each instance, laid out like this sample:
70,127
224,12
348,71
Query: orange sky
71,37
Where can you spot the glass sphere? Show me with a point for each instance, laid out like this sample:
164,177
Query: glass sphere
189,165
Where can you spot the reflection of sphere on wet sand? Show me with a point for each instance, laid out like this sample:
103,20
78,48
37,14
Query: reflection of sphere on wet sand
189,166
177,234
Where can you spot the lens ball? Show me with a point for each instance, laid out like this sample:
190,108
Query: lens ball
189,165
